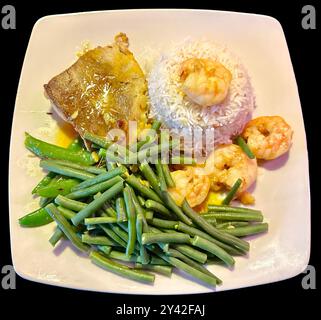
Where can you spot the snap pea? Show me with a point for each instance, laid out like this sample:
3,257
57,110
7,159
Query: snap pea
61,186
46,150
36,218
43,182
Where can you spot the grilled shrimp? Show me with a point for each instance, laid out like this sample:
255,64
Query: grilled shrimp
205,81
268,137
190,185
228,163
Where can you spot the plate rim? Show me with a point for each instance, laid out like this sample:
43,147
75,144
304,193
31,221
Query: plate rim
299,268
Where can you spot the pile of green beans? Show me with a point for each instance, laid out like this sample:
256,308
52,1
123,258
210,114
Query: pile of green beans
117,212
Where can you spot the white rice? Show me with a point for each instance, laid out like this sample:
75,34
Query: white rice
181,115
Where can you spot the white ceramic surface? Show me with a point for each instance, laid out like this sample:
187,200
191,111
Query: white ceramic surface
282,190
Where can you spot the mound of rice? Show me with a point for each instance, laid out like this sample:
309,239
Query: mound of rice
179,114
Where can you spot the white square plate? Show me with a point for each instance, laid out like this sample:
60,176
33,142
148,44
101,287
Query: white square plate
282,194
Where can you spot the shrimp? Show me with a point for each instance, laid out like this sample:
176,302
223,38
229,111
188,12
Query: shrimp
190,186
228,163
268,137
205,81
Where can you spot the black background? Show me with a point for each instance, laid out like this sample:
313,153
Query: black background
305,57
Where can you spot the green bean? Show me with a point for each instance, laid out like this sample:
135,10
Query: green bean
155,261
46,150
68,214
100,220
190,270
97,240
114,236
247,230
194,231
66,171
219,235
160,175
226,225
104,143
214,249
244,146
90,169
97,203
229,197
56,236
110,210
221,208
234,216
120,208
111,157
98,140
69,203
150,176
160,223
131,217
152,151
164,270
43,201
175,208
144,256
111,165
191,252
66,227
104,249
167,175
141,200
159,208
142,189
101,178
176,254
120,269
149,215
62,186
90,191
173,237
137,206
76,145
36,218
114,254
43,182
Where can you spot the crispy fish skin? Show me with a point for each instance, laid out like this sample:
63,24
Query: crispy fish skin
102,90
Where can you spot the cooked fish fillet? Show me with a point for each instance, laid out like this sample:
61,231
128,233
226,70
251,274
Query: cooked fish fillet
102,90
